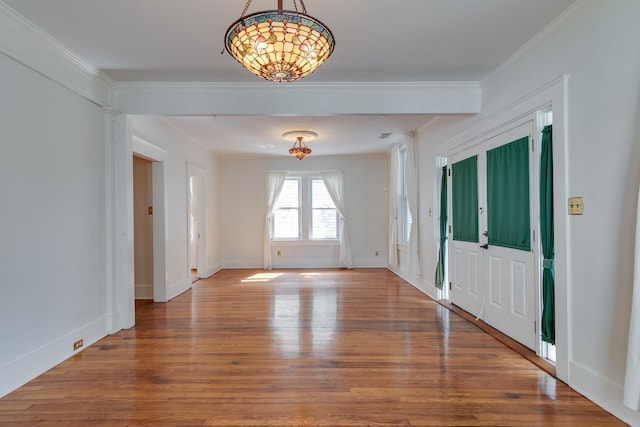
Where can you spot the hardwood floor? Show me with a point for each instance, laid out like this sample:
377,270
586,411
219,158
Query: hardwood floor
299,348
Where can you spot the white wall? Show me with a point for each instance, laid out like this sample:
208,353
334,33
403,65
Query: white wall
242,210
53,263
598,48
181,151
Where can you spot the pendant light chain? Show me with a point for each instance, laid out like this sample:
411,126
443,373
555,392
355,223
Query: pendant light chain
295,5
246,8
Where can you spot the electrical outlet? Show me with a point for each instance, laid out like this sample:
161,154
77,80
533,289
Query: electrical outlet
78,344
575,206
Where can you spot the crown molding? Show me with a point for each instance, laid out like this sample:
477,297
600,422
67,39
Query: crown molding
29,45
503,118
549,30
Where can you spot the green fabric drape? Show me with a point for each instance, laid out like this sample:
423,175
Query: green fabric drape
548,327
508,211
464,195
443,229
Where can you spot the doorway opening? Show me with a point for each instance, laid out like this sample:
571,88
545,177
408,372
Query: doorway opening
142,228
196,251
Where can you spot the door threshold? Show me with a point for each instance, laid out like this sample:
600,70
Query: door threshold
514,345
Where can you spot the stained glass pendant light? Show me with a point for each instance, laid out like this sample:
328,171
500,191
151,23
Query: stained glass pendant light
299,149
279,45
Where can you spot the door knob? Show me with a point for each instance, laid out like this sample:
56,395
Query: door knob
485,246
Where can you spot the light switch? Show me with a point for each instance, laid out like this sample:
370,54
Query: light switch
575,206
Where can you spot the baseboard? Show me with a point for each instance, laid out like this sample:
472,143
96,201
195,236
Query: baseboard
211,270
416,282
378,262
602,392
177,288
144,291
113,322
305,263
239,265
20,371
429,288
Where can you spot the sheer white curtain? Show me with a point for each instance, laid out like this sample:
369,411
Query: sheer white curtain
275,182
333,183
411,170
394,182
632,375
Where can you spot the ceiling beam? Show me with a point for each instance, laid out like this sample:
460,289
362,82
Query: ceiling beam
298,99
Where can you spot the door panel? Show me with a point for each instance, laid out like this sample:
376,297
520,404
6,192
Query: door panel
495,280
466,278
511,307
519,290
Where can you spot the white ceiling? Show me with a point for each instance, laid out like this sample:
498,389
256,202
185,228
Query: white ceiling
376,41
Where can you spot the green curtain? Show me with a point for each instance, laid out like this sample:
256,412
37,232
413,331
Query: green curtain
548,329
464,195
508,212
443,229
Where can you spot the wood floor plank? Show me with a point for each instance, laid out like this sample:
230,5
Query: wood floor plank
299,348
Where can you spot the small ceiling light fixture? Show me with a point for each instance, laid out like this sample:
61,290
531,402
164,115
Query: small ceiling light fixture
299,150
279,45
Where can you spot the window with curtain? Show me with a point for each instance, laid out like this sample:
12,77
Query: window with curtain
305,211
286,215
324,216
404,213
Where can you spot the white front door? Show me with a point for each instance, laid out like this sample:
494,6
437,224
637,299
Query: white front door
493,275
465,255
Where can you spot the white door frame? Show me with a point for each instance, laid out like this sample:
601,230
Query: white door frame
201,248
128,145
157,156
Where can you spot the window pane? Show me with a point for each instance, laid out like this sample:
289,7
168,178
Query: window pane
289,197
320,196
324,216
285,223
324,224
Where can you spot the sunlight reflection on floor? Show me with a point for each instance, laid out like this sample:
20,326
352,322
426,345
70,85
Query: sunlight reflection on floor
261,277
